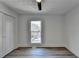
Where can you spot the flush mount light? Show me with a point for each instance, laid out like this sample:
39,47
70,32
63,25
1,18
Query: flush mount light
38,1
39,4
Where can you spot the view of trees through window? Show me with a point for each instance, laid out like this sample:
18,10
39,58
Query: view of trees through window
35,31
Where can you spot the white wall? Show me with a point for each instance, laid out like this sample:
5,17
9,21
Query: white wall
53,27
72,31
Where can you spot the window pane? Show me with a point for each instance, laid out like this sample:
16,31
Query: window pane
35,31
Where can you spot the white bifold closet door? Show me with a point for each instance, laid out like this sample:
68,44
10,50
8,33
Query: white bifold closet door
8,34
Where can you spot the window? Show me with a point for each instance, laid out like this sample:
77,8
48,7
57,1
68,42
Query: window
35,31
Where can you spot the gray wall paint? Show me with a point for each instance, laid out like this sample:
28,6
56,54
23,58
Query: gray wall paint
72,31
52,33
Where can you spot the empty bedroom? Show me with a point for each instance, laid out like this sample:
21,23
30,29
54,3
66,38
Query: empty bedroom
39,28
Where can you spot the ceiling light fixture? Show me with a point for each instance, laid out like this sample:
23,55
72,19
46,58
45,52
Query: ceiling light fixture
38,1
39,4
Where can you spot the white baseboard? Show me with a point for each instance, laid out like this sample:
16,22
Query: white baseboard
44,45
72,51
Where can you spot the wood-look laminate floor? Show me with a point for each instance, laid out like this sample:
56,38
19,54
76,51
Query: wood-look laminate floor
40,53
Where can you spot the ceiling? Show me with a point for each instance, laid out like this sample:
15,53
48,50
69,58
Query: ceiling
48,6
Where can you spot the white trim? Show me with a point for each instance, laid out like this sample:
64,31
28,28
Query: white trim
72,51
44,45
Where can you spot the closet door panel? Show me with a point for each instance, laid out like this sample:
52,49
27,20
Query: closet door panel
0,34
4,35
8,35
